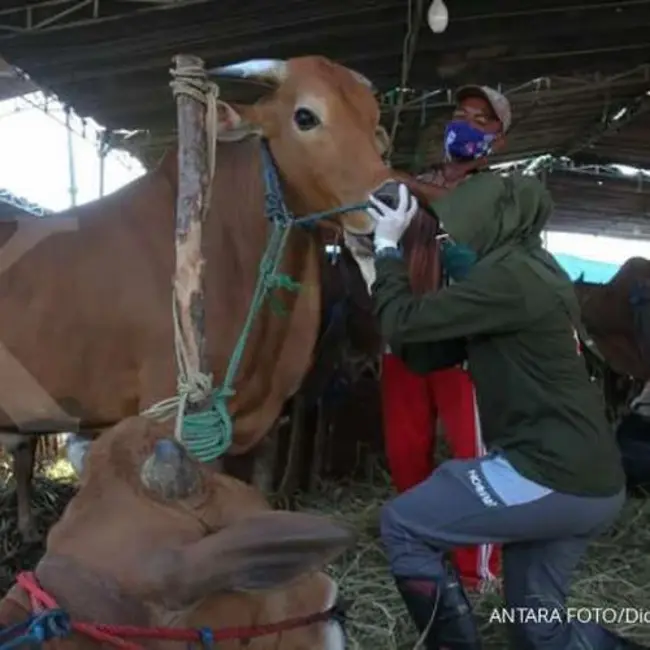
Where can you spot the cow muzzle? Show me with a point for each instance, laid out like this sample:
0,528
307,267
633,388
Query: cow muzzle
170,472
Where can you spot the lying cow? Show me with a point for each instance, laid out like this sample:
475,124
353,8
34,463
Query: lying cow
96,344
154,539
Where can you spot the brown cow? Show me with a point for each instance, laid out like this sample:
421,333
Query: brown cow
155,539
87,326
619,328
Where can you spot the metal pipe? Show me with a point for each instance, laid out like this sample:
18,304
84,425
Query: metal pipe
104,148
71,167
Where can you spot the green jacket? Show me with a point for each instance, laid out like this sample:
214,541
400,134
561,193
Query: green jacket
516,314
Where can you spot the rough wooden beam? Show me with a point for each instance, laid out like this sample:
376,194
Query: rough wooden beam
191,208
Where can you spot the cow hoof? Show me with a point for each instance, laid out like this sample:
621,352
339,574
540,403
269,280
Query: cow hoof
29,533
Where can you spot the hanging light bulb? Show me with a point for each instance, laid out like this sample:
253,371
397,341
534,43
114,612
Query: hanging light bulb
438,16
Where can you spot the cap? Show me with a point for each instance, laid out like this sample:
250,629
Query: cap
499,103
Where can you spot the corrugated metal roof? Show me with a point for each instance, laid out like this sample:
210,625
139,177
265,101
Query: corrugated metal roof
13,206
110,58
570,68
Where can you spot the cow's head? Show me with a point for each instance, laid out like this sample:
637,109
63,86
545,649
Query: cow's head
191,540
322,123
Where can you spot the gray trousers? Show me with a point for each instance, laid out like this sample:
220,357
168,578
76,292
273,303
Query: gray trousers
544,534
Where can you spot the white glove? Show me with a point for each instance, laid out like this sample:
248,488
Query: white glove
390,223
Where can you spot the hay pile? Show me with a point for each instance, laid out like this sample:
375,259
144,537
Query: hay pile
49,499
615,574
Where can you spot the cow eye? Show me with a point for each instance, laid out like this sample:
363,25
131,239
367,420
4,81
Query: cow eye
305,119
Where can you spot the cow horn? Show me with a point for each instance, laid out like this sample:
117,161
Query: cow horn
269,70
362,79
169,472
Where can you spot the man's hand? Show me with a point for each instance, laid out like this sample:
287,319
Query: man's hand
392,222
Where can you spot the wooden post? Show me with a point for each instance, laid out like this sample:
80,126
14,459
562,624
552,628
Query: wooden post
191,209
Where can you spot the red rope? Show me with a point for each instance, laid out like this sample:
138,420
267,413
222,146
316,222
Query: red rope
116,635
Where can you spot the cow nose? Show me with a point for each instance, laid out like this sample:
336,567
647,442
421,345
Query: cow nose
167,450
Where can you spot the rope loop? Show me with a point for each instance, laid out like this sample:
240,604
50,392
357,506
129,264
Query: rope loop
192,81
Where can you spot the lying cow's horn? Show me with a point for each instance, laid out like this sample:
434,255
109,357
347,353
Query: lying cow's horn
169,471
270,70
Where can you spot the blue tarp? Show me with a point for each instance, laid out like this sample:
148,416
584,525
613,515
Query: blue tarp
601,272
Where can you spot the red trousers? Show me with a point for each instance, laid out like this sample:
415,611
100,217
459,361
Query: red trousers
411,405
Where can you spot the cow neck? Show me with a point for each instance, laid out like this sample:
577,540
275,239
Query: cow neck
237,228
236,234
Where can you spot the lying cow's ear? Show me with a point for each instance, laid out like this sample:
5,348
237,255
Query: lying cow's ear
271,549
232,124
262,552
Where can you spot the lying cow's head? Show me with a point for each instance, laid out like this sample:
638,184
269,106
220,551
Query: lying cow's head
152,536
322,123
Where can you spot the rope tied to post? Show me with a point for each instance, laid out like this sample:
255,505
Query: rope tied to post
191,81
207,434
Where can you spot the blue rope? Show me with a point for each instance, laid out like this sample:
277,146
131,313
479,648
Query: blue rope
36,630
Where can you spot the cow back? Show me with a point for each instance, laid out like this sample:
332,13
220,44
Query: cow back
615,322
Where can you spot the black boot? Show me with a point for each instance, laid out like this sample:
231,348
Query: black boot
453,626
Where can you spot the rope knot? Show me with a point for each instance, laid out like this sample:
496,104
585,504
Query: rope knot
282,281
51,624
195,387
192,82
207,638
207,435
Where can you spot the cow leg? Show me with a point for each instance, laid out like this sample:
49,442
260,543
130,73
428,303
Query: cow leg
291,476
23,450
320,439
266,461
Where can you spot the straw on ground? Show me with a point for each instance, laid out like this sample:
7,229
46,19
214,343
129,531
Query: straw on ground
615,573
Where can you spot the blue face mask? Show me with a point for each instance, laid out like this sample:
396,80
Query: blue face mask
465,142
457,259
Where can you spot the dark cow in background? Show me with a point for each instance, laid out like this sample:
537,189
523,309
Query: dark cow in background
616,316
334,426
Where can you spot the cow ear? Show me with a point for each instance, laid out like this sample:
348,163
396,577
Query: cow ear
269,550
382,139
265,551
232,123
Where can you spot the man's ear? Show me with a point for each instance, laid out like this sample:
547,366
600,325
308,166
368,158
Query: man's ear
499,143
234,123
